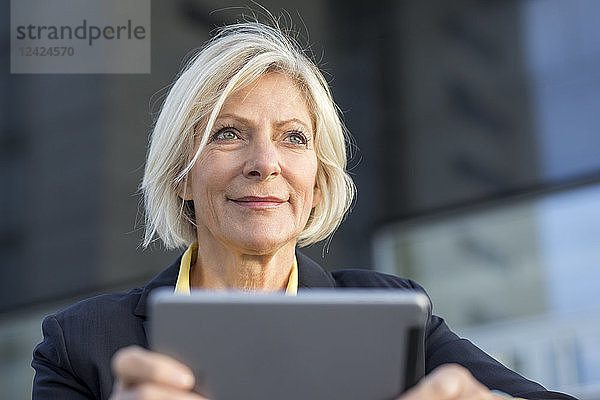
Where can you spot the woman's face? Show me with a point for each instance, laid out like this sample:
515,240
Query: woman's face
253,185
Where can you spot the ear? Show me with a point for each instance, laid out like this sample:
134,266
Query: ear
185,189
317,196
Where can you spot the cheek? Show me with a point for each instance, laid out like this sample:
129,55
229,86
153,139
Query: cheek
207,176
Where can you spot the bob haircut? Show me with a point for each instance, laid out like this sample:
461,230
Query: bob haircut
234,58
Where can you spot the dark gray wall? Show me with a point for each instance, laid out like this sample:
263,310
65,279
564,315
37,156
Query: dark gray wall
435,94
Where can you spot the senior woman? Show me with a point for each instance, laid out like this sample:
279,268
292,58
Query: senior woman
246,163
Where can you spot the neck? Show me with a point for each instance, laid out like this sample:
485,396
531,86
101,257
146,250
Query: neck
222,268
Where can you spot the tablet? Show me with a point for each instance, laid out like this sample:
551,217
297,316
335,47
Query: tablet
322,344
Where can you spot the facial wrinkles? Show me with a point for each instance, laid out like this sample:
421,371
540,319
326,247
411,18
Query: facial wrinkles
266,107
263,119
265,127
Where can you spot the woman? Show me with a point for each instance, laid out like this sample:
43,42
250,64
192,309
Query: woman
247,162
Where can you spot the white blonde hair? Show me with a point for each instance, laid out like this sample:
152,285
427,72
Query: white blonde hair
238,55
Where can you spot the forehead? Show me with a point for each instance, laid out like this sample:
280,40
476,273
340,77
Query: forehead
274,95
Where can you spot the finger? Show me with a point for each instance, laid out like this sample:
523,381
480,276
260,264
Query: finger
148,391
499,395
133,365
447,382
474,390
154,391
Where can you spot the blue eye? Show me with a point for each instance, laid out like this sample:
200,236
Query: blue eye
226,134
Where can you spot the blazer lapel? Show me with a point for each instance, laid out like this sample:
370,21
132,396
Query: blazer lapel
167,278
311,274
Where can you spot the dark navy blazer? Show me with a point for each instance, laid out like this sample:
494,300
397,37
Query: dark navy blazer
73,360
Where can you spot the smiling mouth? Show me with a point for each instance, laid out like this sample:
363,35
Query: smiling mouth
259,203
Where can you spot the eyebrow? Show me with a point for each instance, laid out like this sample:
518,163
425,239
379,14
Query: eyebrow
247,121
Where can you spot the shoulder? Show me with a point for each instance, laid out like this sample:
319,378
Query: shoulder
99,325
80,340
95,326
312,275
360,278
92,312
117,306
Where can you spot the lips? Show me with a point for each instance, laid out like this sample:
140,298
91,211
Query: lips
259,202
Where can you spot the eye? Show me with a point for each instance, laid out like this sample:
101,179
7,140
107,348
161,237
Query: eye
296,138
226,134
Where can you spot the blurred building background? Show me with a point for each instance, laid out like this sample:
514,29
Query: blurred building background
477,165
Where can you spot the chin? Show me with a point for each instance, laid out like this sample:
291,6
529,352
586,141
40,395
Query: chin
260,243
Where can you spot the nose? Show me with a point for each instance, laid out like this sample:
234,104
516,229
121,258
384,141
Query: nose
262,161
